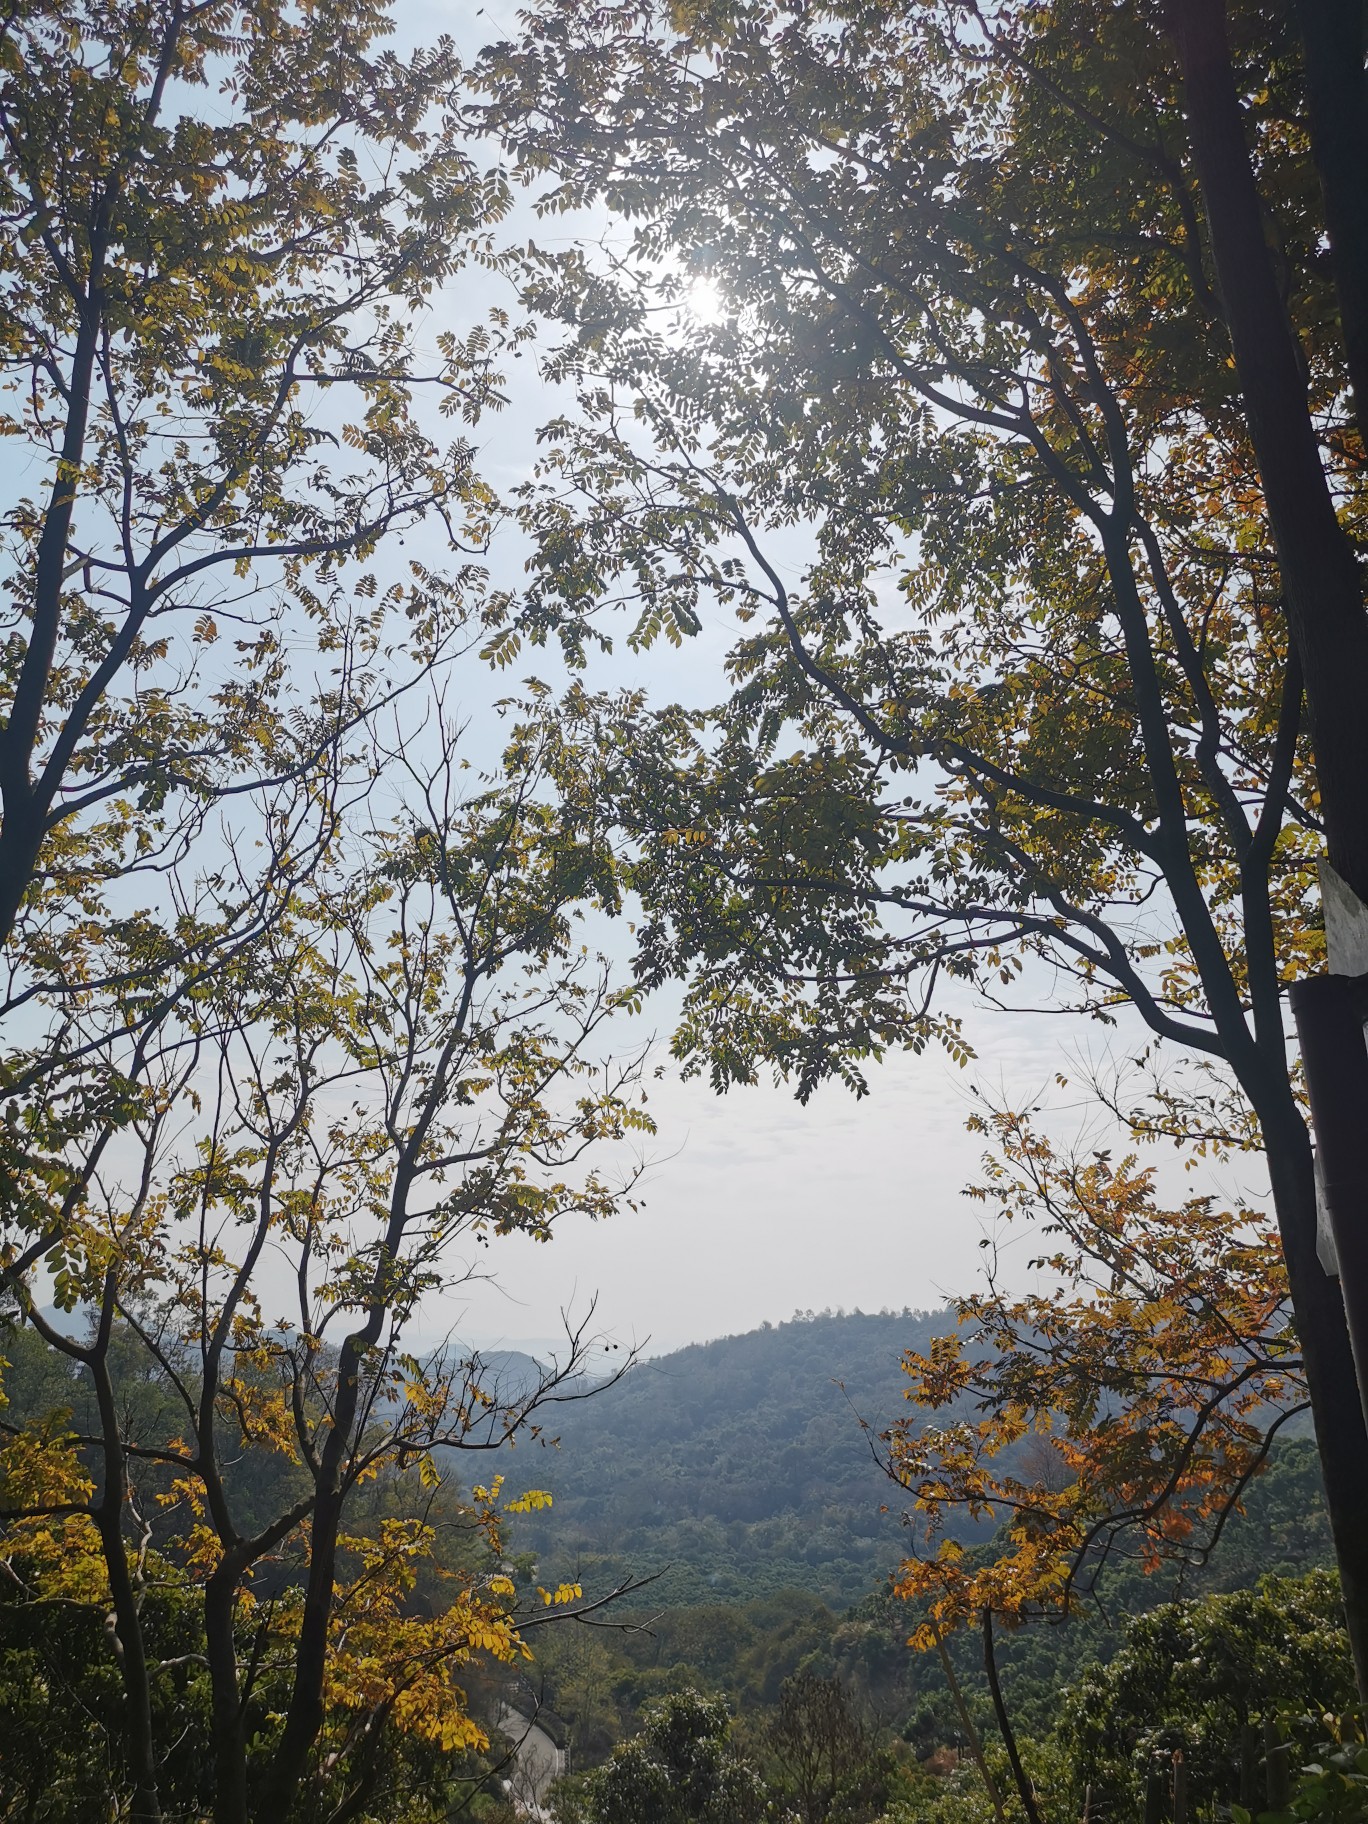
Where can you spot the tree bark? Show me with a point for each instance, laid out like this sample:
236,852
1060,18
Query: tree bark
1004,1722
970,1732
22,814
1329,1364
128,1636
229,1746
1320,576
305,1714
1334,36
1325,607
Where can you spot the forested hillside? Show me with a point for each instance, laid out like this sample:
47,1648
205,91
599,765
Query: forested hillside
739,1472
737,1467
733,1469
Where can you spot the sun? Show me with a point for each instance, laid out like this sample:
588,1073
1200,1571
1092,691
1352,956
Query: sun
704,301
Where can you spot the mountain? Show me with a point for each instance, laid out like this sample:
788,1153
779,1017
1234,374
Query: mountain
733,1468
738,1471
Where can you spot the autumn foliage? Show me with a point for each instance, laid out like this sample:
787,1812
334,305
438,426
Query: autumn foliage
1120,1410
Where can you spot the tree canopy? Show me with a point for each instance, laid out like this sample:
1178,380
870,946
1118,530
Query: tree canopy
1025,440
1118,1415
679,1770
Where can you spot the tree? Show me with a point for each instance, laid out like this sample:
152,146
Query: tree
679,1770
828,1765
1032,712
62,1758
1120,1414
1317,555
296,1007
218,248
400,1066
1202,1677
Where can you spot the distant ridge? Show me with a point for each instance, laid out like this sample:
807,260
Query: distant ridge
734,1467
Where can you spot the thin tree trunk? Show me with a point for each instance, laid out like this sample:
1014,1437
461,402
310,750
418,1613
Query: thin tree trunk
971,1733
1004,1722
305,1714
128,1636
22,815
229,1745
1329,1363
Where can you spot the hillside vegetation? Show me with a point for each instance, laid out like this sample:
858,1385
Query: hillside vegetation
737,1472
736,1468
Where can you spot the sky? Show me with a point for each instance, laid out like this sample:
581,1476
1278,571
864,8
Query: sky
756,1208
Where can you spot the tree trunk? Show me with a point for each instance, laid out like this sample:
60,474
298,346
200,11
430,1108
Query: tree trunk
1324,597
1324,1338
1320,575
305,1714
229,1745
22,814
127,1630
1004,1722
970,1732
1334,37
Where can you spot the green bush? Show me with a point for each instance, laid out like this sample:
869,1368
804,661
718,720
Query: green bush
681,1769
1197,1676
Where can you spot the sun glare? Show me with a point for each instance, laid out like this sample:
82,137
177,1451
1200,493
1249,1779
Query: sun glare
705,302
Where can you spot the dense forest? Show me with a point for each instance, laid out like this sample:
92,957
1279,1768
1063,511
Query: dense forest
1087,1693
756,1463
788,1399
735,1468
688,1425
